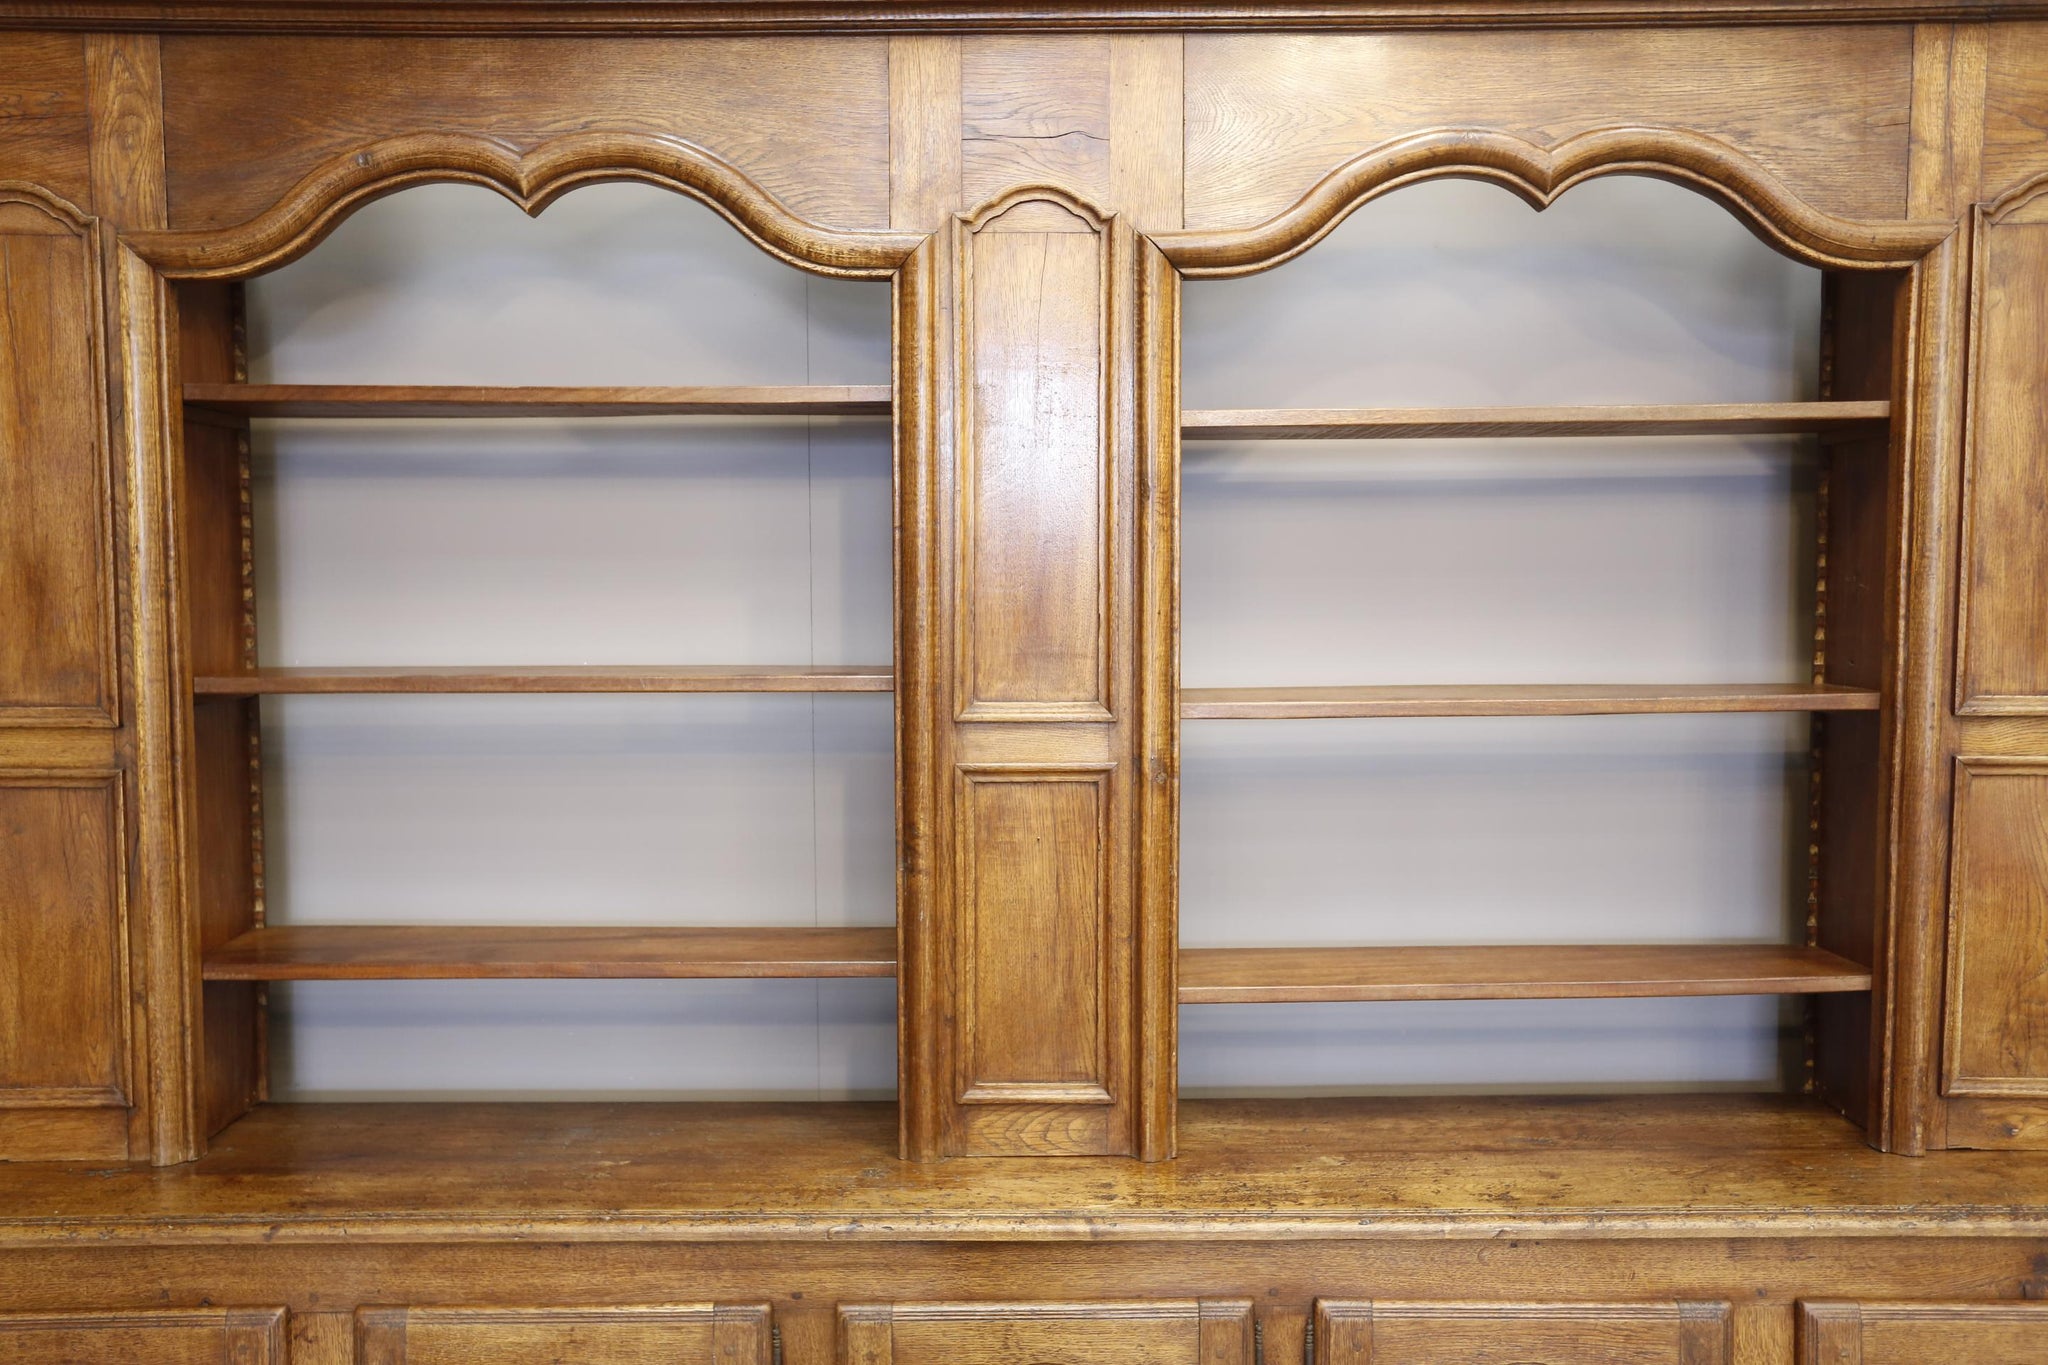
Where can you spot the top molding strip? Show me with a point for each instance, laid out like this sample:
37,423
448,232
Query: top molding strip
601,17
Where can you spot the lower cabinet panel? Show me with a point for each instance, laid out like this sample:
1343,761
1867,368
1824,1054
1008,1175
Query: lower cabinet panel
675,1334
1847,1333
1369,1333
201,1336
1168,1332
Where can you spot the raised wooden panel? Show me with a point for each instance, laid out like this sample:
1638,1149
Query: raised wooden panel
1366,1333
248,117
1184,1332
198,1336
62,994
56,591
1848,1333
1997,1027
1033,930
1269,114
721,1334
43,120
2016,90
2003,652
1035,484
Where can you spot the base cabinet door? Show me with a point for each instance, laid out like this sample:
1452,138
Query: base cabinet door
1853,1333
668,1334
1359,1332
1164,1332
200,1336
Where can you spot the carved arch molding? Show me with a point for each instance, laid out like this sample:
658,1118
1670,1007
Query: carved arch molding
533,178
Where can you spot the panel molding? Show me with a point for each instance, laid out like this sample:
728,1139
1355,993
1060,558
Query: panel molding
1111,1332
974,1085
32,211
1048,212
731,1334
1958,1079
2026,205
1692,1332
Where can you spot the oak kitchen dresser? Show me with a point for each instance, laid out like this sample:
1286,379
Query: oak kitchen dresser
1035,178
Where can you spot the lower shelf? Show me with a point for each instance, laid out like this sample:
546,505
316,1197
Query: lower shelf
1238,976
1420,1167
1207,975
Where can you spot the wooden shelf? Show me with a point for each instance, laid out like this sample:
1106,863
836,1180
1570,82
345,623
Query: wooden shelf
407,400
462,952
727,1175
1515,699
1367,424
1240,976
600,678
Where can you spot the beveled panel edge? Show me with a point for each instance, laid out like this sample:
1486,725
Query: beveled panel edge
532,179
1538,175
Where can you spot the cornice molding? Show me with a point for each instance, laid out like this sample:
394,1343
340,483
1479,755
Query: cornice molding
532,179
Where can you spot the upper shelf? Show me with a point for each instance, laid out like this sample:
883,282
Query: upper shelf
603,678
1698,419
1517,699
409,400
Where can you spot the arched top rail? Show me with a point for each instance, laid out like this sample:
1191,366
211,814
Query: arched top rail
1539,175
532,179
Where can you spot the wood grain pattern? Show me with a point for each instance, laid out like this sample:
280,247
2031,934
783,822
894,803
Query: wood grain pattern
1208,1332
1270,114
1033,867
1304,1176
2003,644
56,524
678,1334
1365,424
701,18
1881,1333
1381,1333
197,1336
408,400
1997,1016
45,133
124,84
1035,110
63,965
251,117
1516,699
551,678
308,952
1036,504
1243,976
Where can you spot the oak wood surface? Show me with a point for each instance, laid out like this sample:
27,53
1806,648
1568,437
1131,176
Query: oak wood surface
1891,1333
1498,972
44,120
1383,1333
1516,699
408,400
308,952
549,678
1700,419
684,18
635,1334
1698,1166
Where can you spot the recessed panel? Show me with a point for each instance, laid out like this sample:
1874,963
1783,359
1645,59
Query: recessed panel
1164,1333
1034,477
628,1335
1032,867
1521,1333
55,588
1998,930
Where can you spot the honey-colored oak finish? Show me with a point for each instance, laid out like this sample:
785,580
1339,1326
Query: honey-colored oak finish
1035,182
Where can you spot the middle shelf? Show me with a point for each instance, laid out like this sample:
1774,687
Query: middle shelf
260,682
1208,975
